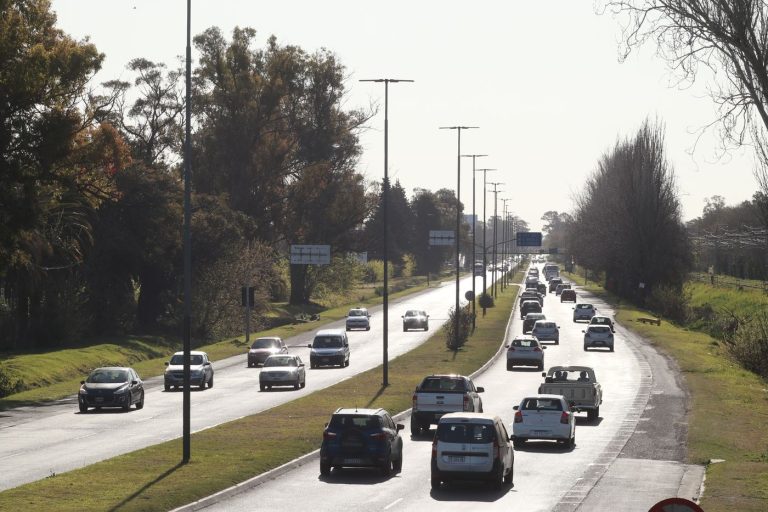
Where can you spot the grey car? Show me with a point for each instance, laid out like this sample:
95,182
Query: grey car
112,386
415,319
546,330
525,351
200,367
283,370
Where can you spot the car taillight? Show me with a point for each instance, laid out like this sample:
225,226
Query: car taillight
327,436
511,348
564,417
466,402
413,401
518,417
537,349
379,436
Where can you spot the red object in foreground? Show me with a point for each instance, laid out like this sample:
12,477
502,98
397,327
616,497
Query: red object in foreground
676,505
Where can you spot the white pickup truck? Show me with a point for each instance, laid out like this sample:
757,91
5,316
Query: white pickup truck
578,385
438,395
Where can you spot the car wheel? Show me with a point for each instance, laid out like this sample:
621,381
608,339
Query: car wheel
585,348
434,482
296,384
405,329
426,327
202,383
510,478
397,466
368,328
557,341
83,408
386,466
263,387
415,428
140,403
210,382
325,468
572,441
304,382
518,443
611,348
312,365
346,363
130,401
540,367
167,387
510,366
498,477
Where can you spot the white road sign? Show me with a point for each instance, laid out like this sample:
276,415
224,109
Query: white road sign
310,254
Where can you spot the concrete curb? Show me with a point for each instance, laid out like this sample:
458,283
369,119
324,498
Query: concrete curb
315,455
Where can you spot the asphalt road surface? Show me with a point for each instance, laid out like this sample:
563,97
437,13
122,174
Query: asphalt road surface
591,477
40,441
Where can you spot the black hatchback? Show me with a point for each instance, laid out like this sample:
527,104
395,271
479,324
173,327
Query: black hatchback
362,438
112,386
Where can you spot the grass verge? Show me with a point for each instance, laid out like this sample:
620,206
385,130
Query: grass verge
57,374
153,479
728,412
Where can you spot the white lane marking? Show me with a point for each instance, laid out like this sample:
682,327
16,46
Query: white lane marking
398,500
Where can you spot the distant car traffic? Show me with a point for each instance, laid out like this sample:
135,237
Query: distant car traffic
583,311
358,318
283,370
262,348
362,438
472,446
330,347
415,319
560,287
546,330
598,336
553,284
567,295
525,351
544,417
200,371
112,386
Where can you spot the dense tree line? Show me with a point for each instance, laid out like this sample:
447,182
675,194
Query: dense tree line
627,223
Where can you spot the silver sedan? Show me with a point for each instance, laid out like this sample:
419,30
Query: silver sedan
525,351
283,370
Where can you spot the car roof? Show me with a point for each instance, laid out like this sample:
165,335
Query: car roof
469,416
268,338
525,337
330,332
192,353
111,368
357,410
561,397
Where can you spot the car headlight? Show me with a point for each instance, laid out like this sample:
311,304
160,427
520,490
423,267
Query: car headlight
121,389
83,390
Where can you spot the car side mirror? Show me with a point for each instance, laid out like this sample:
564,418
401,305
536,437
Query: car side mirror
134,382
82,382
400,426
402,316
515,408
301,364
480,389
167,363
543,374
544,347
506,346
207,363
583,332
309,345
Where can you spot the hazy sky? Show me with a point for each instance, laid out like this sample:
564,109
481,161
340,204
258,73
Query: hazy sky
542,80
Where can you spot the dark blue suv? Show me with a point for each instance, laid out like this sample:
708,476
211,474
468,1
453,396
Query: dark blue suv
362,438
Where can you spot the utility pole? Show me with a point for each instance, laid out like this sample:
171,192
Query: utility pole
474,242
187,241
485,226
458,219
504,252
385,194
495,231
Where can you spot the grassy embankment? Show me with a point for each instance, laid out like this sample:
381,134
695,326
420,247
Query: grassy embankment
729,405
153,479
55,374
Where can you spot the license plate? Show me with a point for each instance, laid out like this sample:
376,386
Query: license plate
539,433
99,399
456,459
325,359
353,461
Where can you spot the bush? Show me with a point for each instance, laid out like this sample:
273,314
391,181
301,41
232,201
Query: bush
747,342
454,341
485,300
670,302
10,384
409,266
374,271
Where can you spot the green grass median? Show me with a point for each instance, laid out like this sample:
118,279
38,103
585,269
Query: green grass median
728,412
56,374
153,479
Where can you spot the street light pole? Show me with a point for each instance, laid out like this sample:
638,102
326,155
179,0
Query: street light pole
187,241
504,235
474,242
495,231
458,220
385,194
485,226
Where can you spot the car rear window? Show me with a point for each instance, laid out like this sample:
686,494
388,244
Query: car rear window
443,384
361,421
600,329
542,404
327,342
465,433
524,343
584,306
544,325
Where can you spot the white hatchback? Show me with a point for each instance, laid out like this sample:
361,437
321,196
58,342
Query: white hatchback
583,311
472,446
544,417
526,351
598,336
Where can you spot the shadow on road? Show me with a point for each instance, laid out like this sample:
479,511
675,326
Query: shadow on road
469,491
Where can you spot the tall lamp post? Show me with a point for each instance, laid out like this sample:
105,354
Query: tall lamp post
505,237
474,243
485,226
458,219
385,194
187,241
495,230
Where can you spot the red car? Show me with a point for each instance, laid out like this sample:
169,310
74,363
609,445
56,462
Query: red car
568,296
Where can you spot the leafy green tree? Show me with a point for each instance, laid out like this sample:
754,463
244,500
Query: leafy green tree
399,229
426,217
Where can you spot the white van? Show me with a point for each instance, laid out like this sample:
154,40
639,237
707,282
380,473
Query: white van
472,446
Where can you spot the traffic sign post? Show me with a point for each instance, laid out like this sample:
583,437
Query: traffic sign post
529,239
310,255
438,237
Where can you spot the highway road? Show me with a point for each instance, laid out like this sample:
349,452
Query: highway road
547,477
39,441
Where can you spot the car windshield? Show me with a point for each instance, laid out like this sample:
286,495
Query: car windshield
542,404
108,376
411,313
265,343
356,312
354,421
465,433
443,384
327,342
194,359
280,361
